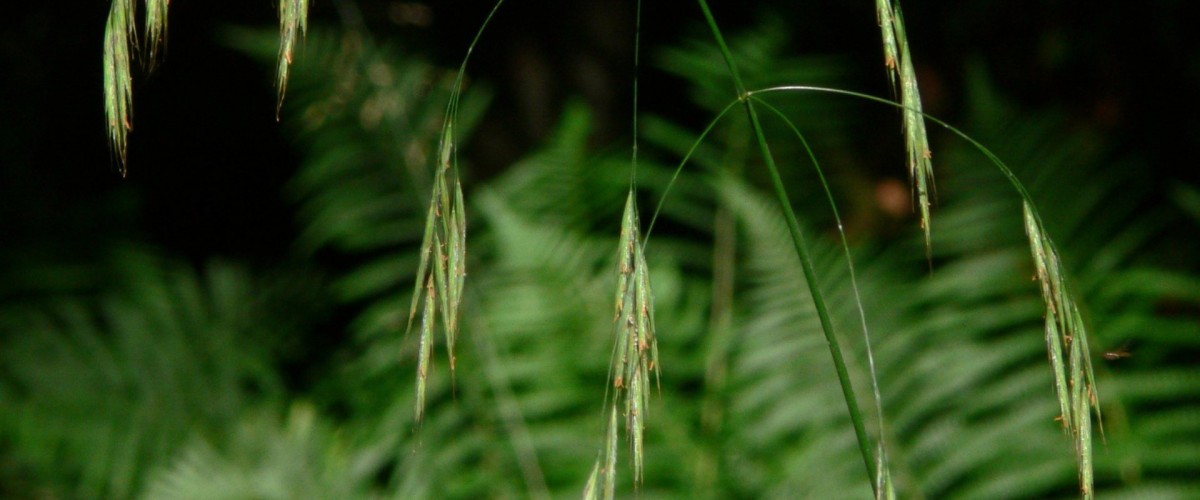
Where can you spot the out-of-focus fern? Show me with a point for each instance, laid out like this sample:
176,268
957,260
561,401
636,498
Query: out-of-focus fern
99,387
259,456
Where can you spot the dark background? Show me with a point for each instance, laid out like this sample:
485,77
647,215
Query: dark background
206,157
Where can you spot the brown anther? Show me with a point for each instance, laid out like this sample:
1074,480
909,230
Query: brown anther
1061,420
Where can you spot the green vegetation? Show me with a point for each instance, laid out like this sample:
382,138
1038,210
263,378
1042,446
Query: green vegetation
147,377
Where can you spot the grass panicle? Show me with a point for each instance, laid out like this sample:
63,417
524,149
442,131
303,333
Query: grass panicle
293,23
442,269
120,41
1067,345
635,349
898,61
119,38
444,243
635,354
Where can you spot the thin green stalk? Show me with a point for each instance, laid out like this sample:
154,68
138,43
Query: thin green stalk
695,145
883,478
448,132
801,251
637,44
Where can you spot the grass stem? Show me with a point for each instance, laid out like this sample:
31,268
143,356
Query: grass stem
801,251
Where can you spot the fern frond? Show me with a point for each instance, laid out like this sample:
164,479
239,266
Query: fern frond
103,388
262,456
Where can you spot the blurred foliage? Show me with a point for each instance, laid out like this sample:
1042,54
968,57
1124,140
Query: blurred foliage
167,381
100,386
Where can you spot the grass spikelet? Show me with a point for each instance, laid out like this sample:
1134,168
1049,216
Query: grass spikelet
590,491
891,51
293,23
898,61
118,83
606,464
635,352
156,28
1067,345
456,267
424,352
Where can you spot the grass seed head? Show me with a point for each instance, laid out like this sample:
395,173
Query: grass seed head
635,350
1074,380
293,23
